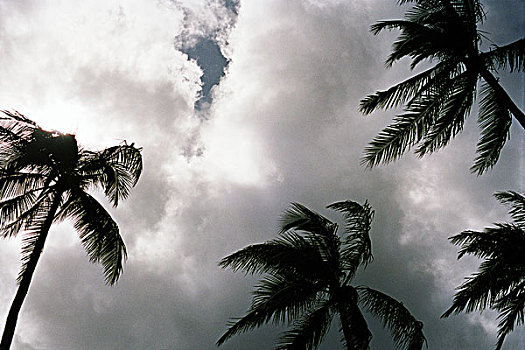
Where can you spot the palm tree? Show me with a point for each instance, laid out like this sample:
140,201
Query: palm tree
45,178
437,100
500,282
309,268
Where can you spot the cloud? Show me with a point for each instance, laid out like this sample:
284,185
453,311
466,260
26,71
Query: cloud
284,126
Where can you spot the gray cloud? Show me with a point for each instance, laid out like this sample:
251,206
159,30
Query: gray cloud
283,127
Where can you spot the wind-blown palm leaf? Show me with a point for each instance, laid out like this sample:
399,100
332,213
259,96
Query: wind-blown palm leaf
497,241
11,209
407,332
484,288
309,330
25,218
406,90
410,128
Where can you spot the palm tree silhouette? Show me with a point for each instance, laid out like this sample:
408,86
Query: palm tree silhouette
500,282
437,100
45,178
308,270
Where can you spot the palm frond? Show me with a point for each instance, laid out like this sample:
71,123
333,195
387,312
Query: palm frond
406,130
300,218
13,184
280,298
99,234
117,169
503,240
451,116
25,216
418,41
510,56
33,229
12,208
289,251
512,307
357,247
495,121
407,332
484,288
516,202
402,92
309,330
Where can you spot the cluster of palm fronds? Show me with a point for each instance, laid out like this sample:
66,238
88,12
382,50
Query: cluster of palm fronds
308,273
437,100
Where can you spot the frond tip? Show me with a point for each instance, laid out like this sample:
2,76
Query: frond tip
499,283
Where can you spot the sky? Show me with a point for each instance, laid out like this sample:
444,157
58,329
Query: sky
241,108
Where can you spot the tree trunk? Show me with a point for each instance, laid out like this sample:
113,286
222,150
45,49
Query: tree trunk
493,82
355,330
23,287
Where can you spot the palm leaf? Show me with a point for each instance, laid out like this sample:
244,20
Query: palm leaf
25,218
451,116
279,298
407,332
300,218
289,251
33,229
499,241
402,92
117,169
17,183
99,234
511,56
309,330
517,205
357,247
495,121
512,308
484,288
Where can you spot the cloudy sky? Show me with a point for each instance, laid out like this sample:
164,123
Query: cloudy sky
281,126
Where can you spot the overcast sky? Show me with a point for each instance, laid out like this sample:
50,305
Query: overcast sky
283,126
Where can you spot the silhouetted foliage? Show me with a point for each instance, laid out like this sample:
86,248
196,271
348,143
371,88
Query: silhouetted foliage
437,100
45,178
500,281
308,270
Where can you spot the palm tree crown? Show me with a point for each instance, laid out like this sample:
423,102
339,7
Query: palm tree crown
500,282
438,99
45,178
308,270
